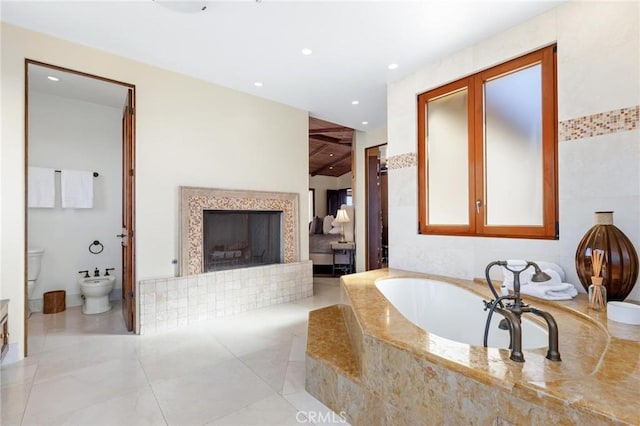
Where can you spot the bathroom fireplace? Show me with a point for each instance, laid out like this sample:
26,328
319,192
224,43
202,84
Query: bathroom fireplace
241,238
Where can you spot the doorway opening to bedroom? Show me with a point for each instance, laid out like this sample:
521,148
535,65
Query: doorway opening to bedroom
331,237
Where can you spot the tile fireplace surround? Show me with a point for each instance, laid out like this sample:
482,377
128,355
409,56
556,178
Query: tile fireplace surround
194,201
168,303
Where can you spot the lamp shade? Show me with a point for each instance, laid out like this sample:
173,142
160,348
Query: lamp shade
342,216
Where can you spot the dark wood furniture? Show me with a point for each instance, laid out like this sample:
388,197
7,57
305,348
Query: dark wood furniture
348,250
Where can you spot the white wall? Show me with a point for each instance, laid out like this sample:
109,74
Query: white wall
188,132
321,184
598,69
363,140
344,181
70,134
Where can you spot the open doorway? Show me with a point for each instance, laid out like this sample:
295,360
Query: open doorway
79,198
330,184
377,222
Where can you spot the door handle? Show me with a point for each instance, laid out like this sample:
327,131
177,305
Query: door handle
478,204
121,235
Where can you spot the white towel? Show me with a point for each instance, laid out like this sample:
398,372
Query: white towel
565,291
42,187
77,189
552,269
562,291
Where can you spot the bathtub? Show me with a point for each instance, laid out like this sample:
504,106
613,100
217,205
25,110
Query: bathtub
453,313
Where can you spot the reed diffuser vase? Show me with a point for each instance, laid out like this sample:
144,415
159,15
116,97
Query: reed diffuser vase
597,292
619,266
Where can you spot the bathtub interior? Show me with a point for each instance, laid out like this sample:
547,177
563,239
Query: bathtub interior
453,313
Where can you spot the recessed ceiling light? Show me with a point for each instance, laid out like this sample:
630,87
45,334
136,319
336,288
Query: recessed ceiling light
330,167
258,84
365,122
392,66
183,6
52,78
330,155
306,51
355,102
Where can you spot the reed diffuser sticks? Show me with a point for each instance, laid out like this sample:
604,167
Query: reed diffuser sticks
597,292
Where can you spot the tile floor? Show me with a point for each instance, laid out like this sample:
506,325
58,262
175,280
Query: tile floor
245,370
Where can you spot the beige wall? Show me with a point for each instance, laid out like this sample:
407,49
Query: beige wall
363,140
188,132
321,184
598,68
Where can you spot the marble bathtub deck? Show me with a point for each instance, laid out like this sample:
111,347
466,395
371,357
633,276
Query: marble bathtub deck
599,375
244,370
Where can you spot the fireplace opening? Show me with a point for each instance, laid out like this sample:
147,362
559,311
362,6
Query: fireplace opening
239,239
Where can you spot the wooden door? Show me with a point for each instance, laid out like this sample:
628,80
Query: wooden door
384,215
128,234
374,214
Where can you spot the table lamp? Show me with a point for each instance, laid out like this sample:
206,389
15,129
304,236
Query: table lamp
342,218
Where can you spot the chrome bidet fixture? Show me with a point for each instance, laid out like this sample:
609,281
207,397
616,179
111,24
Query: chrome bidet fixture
513,310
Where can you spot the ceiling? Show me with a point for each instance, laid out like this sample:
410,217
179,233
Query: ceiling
238,43
75,86
329,148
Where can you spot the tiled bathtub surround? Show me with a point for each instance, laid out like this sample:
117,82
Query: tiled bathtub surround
406,375
175,302
193,201
604,123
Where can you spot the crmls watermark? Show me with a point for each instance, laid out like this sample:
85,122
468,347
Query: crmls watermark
321,417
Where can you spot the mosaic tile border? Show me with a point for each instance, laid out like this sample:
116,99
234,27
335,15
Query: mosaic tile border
604,123
410,159
193,201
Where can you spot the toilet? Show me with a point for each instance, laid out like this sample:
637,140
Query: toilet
95,292
34,260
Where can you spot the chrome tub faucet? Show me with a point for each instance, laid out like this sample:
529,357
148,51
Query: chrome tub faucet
512,311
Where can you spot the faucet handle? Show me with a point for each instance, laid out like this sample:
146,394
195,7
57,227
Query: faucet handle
86,273
106,271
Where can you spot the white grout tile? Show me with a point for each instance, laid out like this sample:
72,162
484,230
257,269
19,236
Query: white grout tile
89,371
294,380
210,393
138,408
273,410
270,364
83,387
13,401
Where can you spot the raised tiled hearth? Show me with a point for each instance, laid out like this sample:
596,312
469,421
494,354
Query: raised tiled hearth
169,303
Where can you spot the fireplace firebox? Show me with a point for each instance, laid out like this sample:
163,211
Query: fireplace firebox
241,238
194,202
